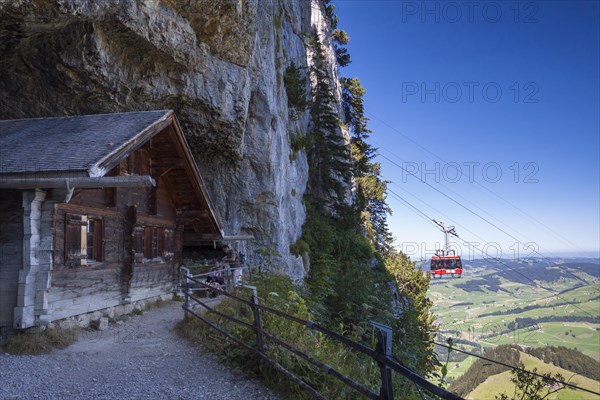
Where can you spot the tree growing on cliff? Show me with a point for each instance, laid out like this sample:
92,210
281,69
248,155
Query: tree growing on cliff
353,268
295,89
340,37
370,200
328,155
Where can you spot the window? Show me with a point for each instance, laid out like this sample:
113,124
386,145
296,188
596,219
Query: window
151,242
83,240
94,239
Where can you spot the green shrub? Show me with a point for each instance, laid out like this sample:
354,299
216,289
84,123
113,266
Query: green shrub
299,142
299,248
295,88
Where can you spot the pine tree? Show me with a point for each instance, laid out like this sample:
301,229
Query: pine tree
371,198
328,155
295,88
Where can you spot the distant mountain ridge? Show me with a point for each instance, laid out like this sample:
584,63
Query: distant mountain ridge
528,272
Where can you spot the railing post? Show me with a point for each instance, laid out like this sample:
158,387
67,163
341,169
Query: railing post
384,346
186,291
259,336
229,273
245,266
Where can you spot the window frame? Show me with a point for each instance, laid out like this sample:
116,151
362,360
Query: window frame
153,243
78,232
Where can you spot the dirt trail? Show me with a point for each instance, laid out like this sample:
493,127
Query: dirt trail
141,358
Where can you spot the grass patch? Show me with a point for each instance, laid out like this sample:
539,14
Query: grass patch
177,297
155,304
137,311
36,341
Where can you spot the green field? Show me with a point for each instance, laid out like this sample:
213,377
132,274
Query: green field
501,382
457,369
466,322
581,336
461,305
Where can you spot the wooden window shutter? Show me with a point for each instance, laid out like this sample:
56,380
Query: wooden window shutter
75,240
148,239
98,240
160,242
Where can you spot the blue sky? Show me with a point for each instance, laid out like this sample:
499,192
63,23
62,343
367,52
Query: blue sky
496,87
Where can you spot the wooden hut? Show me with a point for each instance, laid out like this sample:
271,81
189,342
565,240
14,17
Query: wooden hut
93,211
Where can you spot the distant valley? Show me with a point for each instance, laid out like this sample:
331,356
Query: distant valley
533,303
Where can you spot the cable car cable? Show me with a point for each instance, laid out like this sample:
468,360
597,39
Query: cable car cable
515,368
480,217
438,212
425,216
531,218
430,220
501,262
557,294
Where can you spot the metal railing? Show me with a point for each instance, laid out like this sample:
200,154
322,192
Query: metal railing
381,354
230,279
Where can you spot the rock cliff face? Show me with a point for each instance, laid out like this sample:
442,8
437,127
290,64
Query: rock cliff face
218,63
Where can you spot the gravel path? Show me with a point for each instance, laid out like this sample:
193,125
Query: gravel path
142,358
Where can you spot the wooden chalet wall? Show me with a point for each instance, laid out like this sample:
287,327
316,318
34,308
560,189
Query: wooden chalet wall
11,248
127,271
65,254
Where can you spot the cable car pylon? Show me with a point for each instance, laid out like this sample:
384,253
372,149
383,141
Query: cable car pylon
445,261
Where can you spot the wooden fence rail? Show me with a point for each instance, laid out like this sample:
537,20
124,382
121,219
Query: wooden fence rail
382,353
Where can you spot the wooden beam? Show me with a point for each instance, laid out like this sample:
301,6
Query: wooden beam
192,170
201,237
161,171
239,237
78,183
133,144
168,162
195,214
171,191
186,220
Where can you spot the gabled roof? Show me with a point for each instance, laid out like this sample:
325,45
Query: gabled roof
81,150
77,145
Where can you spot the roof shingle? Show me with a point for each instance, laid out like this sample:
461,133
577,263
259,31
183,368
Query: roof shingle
70,144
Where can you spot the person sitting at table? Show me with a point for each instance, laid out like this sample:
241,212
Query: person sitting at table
215,278
215,275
